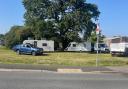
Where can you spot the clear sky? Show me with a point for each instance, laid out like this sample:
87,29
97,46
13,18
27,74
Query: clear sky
11,13
113,18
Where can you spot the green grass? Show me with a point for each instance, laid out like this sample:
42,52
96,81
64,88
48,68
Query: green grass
61,58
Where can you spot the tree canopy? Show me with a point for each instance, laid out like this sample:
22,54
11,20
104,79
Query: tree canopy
16,35
1,36
60,20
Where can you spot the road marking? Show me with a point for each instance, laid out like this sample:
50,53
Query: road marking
69,71
58,71
18,70
25,70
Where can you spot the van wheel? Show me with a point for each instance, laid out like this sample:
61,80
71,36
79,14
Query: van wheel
34,53
107,51
18,52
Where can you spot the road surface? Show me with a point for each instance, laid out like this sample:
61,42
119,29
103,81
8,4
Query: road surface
44,80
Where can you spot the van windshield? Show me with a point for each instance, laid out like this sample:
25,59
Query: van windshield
102,45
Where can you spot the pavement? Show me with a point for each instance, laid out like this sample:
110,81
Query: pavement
120,69
63,69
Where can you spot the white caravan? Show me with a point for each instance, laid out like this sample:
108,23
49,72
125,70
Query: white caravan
83,46
47,45
119,46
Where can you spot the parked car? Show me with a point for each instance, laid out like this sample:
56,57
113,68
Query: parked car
27,49
102,47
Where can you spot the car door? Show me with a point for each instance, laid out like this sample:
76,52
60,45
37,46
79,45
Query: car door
22,48
26,49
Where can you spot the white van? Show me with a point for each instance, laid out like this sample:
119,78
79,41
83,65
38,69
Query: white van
102,47
119,46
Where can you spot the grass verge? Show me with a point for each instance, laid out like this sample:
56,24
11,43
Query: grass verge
61,58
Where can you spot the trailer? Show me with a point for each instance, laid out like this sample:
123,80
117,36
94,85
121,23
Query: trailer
82,46
119,46
47,45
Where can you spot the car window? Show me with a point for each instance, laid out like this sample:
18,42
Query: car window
28,46
23,45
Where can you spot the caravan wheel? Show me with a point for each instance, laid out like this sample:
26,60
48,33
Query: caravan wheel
80,51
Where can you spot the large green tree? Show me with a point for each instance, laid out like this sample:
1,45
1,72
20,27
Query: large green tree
61,20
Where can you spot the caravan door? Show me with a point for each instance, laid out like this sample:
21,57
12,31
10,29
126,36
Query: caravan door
35,44
74,47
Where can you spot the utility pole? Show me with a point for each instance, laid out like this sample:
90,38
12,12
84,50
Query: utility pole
97,44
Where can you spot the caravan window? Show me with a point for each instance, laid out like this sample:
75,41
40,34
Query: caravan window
74,45
69,45
44,44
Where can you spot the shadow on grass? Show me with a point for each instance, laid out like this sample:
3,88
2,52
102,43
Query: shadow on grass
123,56
44,54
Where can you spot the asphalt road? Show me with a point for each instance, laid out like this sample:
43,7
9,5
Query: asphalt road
43,80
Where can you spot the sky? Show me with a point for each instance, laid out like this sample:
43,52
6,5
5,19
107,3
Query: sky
113,18
11,13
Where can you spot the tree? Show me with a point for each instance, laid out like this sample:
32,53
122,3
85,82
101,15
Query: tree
1,36
25,33
61,19
93,37
16,35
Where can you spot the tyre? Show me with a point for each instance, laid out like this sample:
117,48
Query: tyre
107,51
80,51
34,53
114,55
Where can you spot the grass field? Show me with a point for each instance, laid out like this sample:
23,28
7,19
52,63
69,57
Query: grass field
61,58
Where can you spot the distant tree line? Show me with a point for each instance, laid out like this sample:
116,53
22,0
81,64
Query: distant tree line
1,36
63,21
16,35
